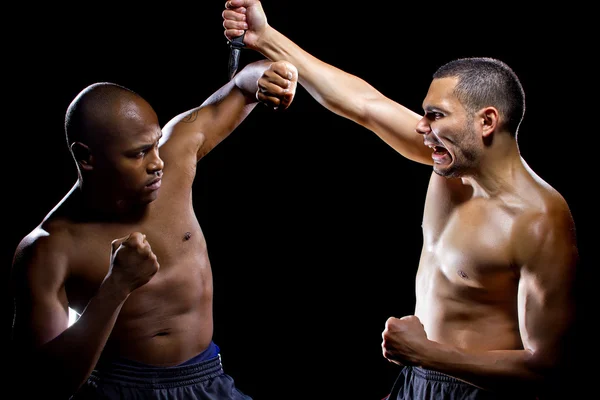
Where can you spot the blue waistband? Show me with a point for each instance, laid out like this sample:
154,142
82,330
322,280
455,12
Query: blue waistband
211,352
131,373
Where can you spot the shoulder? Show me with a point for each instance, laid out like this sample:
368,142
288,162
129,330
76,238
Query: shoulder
546,232
43,252
551,215
184,134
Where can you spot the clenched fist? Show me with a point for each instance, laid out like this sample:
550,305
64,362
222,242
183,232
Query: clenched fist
132,262
277,85
404,340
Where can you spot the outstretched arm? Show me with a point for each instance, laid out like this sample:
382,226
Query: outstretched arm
204,127
342,93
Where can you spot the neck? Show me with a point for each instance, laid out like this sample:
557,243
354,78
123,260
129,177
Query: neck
98,202
499,171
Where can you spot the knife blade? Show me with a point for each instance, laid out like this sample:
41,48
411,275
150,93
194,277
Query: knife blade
235,48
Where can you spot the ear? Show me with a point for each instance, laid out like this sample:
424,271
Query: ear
83,156
489,121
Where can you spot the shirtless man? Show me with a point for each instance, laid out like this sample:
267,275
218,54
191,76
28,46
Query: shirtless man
494,285
124,249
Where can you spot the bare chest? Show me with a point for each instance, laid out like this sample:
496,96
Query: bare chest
175,238
469,246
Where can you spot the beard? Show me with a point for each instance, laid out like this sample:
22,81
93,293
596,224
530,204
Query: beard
464,157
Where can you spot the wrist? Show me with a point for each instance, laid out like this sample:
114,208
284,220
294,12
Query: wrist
112,289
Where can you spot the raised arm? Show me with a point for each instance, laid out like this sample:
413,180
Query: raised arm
342,93
272,83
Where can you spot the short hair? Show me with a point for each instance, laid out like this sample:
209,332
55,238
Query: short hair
484,81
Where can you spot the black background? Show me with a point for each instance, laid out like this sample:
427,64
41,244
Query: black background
312,222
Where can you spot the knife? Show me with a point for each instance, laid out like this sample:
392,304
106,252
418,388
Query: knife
235,48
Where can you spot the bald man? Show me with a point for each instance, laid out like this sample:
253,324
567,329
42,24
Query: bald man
124,249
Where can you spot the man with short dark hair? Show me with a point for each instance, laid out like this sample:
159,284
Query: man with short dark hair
495,282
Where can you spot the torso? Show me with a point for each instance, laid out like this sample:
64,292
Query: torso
467,281
169,320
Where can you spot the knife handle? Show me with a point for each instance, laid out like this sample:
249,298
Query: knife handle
238,41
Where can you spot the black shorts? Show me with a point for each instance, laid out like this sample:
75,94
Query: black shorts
123,379
421,384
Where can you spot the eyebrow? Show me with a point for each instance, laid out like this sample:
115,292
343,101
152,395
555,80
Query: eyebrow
146,146
435,108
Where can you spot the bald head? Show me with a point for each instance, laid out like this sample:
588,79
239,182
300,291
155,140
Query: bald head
98,112
105,115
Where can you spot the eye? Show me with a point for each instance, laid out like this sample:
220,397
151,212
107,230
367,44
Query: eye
434,115
139,154
144,152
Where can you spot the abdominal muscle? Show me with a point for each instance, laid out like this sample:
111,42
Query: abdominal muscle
478,328
169,320
172,341
467,317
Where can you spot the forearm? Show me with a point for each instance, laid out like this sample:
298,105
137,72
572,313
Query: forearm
247,79
338,91
68,360
349,96
497,371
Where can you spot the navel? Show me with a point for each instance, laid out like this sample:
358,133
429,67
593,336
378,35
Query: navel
463,274
187,236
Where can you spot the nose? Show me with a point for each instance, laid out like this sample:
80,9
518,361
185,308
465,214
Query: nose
423,126
156,164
